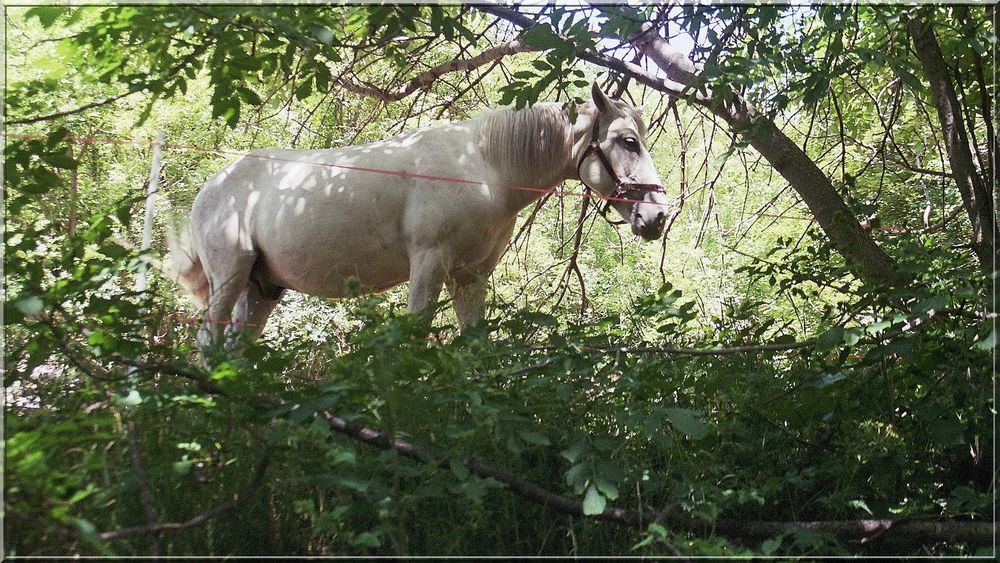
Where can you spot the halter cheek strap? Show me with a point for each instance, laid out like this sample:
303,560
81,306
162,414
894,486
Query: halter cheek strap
622,189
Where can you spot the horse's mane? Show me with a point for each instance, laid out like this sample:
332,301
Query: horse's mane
539,134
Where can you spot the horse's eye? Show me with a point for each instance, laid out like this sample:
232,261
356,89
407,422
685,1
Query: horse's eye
631,143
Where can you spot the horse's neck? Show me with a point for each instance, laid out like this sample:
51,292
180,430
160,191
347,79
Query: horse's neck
528,177
523,186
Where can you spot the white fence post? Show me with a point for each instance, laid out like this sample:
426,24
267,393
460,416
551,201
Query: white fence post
147,227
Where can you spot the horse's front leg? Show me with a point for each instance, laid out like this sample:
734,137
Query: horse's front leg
427,273
468,299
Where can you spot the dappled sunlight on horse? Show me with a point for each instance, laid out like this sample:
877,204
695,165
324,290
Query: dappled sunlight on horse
435,207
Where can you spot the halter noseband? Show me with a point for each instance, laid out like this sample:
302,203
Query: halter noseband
622,189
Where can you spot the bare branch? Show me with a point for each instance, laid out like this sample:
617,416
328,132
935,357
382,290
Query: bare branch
863,531
75,110
427,78
255,482
145,492
134,89
976,195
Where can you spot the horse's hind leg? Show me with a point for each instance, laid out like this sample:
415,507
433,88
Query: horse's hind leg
226,280
468,299
253,307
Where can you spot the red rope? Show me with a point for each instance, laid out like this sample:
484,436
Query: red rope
371,170
396,173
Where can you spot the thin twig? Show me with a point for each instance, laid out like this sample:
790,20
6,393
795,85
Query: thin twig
145,493
255,482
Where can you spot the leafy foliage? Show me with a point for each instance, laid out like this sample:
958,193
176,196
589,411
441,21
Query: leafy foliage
883,411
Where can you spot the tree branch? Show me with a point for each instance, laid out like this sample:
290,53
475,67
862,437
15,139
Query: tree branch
255,481
976,195
145,494
75,110
815,188
908,532
132,90
428,77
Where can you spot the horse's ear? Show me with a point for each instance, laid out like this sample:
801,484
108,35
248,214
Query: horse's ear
601,100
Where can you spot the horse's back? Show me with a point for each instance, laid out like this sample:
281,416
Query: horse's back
319,217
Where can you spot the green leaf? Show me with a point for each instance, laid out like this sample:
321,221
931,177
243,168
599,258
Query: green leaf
606,488
367,539
534,438
830,339
87,531
541,37
687,421
458,469
351,482
60,160
223,372
829,379
574,452
47,15
183,467
576,476
859,503
987,343
31,305
593,502
852,336
878,327
322,34
931,303
132,399
304,90
771,546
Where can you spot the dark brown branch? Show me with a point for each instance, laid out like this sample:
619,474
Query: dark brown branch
976,195
145,492
75,110
573,266
856,531
255,482
203,382
815,188
428,77
911,326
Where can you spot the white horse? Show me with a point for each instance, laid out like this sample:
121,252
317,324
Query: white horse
435,207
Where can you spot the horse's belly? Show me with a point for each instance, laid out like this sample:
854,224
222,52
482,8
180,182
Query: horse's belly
337,271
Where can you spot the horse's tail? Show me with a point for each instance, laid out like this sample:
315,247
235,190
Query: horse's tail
186,265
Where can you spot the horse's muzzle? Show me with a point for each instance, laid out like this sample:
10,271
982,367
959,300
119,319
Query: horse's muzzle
649,229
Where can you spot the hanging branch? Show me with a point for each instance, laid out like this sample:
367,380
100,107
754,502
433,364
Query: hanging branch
255,482
906,532
428,77
573,267
145,494
909,532
133,89
976,194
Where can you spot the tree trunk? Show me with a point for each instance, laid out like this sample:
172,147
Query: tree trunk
815,189
976,195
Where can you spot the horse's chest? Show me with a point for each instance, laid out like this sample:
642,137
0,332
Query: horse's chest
481,251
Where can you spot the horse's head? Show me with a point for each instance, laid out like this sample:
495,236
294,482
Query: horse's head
614,162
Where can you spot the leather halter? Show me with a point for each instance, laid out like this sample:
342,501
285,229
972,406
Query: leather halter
622,189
